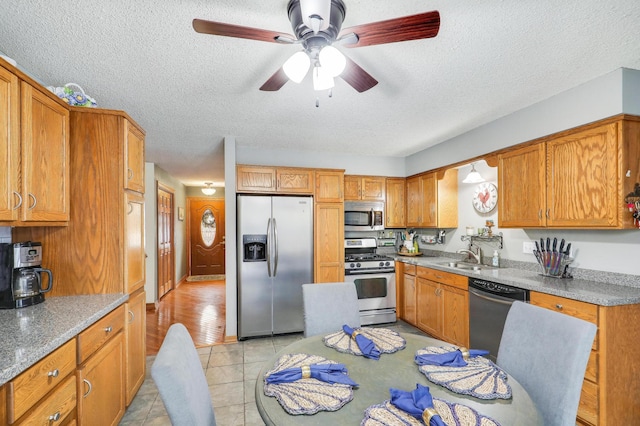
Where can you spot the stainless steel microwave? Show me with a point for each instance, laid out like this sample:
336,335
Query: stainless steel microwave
363,216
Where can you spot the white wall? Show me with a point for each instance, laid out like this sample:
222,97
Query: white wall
231,279
353,164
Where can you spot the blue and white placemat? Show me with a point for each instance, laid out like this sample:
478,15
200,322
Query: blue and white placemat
386,340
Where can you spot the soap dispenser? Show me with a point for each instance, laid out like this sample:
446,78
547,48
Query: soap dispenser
495,260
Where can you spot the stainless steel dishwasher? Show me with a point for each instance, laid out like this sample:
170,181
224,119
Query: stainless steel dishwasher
489,304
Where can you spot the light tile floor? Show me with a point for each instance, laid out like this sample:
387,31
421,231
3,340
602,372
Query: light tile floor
231,371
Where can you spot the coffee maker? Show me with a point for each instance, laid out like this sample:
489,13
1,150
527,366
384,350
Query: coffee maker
20,275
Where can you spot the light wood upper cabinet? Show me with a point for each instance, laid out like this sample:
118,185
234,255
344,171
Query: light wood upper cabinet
522,187
34,155
395,204
575,179
281,180
582,178
9,145
328,242
329,187
432,200
134,171
364,188
134,253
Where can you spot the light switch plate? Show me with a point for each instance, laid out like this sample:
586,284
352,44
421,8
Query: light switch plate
528,246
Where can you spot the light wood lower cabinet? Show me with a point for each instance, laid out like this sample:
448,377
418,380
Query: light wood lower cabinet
611,386
101,385
43,381
101,371
442,305
409,296
135,332
329,242
59,408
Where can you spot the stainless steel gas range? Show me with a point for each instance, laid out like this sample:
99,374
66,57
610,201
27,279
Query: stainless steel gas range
375,280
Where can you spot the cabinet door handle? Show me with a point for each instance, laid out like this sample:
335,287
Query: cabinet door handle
558,306
88,383
53,373
108,329
133,316
130,208
129,174
540,214
35,202
19,200
548,210
54,417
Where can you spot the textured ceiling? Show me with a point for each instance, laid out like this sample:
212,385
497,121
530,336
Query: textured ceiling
190,90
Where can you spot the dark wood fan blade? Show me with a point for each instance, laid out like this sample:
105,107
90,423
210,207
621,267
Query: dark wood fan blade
356,77
229,30
275,82
413,27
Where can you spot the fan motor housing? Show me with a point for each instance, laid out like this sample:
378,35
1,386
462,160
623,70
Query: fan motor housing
311,41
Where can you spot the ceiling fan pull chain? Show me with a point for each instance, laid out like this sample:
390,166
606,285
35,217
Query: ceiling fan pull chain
317,102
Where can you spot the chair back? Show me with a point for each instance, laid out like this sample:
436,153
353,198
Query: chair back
177,372
328,306
547,353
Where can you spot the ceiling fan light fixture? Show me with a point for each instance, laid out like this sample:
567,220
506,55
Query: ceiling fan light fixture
332,60
297,66
316,14
473,176
208,188
322,80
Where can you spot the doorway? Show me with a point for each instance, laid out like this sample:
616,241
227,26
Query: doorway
206,231
166,263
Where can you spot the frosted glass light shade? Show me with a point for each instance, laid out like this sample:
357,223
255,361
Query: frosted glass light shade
208,189
332,60
473,176
296,66
322,80
316,14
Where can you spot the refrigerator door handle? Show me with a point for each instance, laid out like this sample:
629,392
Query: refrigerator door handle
275,247
268,245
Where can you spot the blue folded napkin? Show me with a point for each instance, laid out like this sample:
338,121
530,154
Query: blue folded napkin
449,359
367,347
415,403
330,373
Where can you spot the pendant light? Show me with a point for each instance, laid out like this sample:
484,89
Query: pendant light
473,176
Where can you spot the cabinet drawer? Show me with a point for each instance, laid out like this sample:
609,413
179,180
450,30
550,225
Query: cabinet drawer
55,408
575,308
96,335
588,407
410,269
448,278
30,386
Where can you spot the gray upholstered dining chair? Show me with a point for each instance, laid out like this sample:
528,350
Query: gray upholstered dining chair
547,353
328,306
177,372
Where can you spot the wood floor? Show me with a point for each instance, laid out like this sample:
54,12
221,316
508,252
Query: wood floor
200,306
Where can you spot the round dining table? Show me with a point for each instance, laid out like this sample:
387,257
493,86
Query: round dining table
375,377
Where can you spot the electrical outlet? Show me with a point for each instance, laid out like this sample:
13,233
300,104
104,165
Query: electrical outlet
528,246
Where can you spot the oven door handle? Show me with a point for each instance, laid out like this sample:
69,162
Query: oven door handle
372,218
492,299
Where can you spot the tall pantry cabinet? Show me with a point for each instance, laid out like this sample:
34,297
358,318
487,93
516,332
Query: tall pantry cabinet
102,249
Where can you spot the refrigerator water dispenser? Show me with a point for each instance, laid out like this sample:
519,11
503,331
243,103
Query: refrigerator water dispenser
254,248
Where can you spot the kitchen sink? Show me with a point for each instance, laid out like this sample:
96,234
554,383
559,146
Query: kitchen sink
466,266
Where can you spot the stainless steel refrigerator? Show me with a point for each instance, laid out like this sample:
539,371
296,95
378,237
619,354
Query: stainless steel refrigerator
275,257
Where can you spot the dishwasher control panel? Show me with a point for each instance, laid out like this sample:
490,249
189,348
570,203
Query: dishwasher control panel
501,289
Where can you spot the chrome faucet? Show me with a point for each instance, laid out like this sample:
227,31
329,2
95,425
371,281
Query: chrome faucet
476,256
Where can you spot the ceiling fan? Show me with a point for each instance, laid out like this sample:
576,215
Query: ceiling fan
317,27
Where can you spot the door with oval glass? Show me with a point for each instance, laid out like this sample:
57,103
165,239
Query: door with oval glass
206,236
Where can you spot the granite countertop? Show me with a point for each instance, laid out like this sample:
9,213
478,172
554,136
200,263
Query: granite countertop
599,293
29,334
